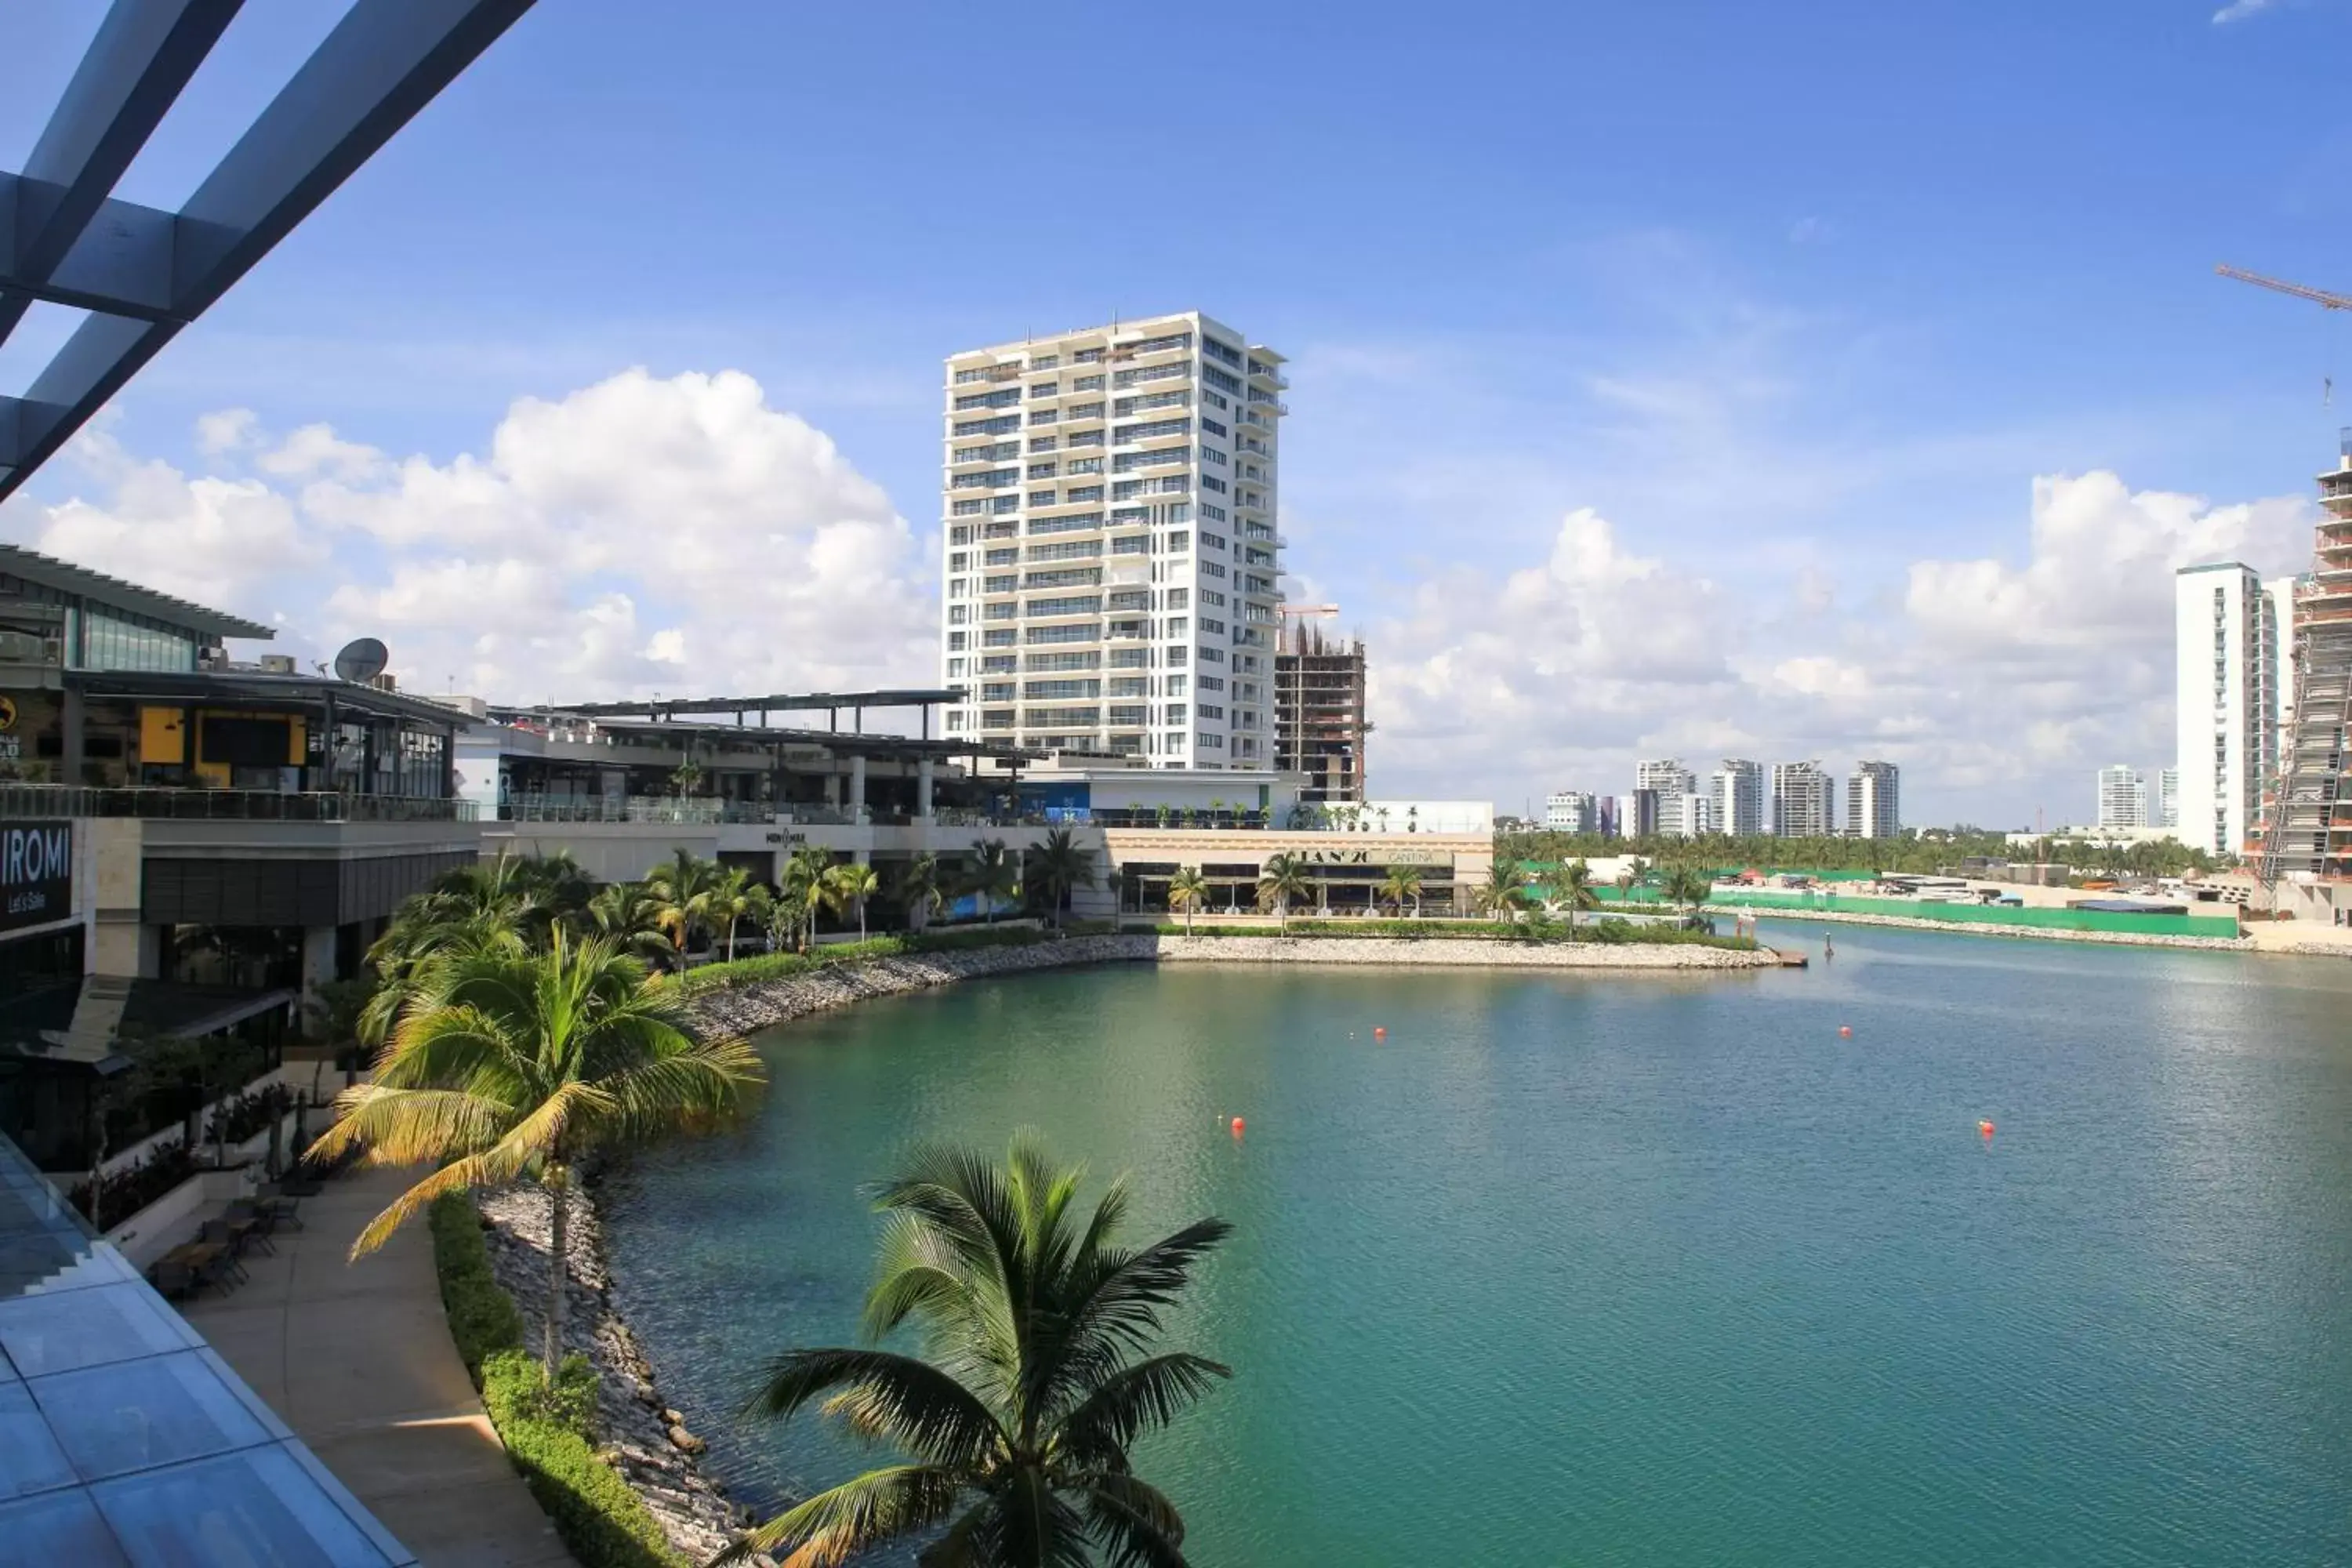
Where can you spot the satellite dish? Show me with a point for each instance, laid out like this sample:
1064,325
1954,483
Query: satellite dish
361,660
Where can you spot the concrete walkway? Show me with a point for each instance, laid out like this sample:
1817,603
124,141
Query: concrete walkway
357,1358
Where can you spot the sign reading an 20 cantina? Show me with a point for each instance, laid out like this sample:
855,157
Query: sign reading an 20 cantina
36,873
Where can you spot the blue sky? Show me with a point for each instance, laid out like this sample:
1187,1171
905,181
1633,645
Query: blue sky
1787,300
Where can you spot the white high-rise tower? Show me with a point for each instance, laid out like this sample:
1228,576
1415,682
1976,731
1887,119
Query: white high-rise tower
2229,630
1110,564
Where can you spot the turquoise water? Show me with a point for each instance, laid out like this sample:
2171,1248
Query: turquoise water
1632,1271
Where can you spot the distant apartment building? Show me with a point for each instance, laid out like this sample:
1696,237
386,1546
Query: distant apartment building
1108,554
1639,816
1873,801
2123,798
1318,714
1804,800
1736,789
1606,809
2230,631
2166,805
1689,814
1571,811
1666,775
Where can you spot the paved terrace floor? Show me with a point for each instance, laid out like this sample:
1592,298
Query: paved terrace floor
357,1358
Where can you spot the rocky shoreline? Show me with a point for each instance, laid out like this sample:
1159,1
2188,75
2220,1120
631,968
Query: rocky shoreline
639,1434
767,1003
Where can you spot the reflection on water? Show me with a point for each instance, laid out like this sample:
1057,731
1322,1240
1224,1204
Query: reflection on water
1635,1271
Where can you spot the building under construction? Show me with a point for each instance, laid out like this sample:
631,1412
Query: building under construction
1318,713
2309,835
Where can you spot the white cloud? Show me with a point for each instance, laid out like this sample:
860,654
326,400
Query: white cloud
1990,682
640,534
2239,10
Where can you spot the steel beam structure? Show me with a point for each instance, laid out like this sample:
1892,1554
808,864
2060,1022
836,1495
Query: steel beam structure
144,273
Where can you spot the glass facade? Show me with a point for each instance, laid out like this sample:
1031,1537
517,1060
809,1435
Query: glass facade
113,640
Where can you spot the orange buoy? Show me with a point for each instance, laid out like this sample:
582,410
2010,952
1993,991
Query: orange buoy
1846,1031
1984,1129
1379,1031
1237,1126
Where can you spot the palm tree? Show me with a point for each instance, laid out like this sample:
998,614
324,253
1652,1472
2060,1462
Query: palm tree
1036,1380
514,1066
1282,878
682,888
412,943
1571,885
803,878
1401,883
1687,886
733,897
920,891
630,918
990,873
1057,866
1187,892
846,887
787,911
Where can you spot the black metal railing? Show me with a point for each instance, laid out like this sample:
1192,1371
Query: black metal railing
19,801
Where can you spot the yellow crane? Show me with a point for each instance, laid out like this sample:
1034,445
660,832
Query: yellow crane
2320,297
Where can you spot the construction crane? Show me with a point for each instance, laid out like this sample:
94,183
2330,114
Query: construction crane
1307,609
2320,297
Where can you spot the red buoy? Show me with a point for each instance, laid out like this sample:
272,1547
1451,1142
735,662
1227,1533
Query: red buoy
1984,1129
1379,1032
1846,1031
1237,1126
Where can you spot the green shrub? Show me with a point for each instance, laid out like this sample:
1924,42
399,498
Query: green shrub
522,1392
546,1430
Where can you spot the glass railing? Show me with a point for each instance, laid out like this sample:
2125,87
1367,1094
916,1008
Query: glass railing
19,801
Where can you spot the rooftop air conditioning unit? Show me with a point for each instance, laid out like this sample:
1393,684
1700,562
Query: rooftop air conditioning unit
278,664
212,659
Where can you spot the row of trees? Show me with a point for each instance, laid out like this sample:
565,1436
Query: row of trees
1916,852
522,1036
1520,888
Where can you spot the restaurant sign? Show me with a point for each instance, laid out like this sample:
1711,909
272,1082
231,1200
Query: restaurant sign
1386,855
36,873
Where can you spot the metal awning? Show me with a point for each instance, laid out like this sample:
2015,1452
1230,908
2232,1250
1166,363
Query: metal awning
263,689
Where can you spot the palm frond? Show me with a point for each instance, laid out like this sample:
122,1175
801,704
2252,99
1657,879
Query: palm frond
1134,1523
881,1394
833,1526
1139,1399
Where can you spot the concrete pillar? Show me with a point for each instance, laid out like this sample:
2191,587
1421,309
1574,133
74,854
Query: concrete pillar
857,789
72,723
833,790
318,960
923,789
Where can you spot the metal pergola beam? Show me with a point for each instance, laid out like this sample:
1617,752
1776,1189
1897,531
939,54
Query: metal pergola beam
146,273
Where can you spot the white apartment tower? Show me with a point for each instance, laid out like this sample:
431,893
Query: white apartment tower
1687,815
1571,811
2168,798
2123,798
1804,800
2228,629
1110,559
1666,775
1736,789
1873,801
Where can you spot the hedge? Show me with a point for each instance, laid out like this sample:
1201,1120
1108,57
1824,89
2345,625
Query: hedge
548,1432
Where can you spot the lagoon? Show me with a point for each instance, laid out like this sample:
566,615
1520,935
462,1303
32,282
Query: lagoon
1617,1270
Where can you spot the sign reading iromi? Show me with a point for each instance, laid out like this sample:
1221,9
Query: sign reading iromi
36,873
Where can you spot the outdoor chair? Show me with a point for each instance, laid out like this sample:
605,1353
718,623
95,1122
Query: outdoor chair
279,1207
257,1225
230,1237
174,1281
